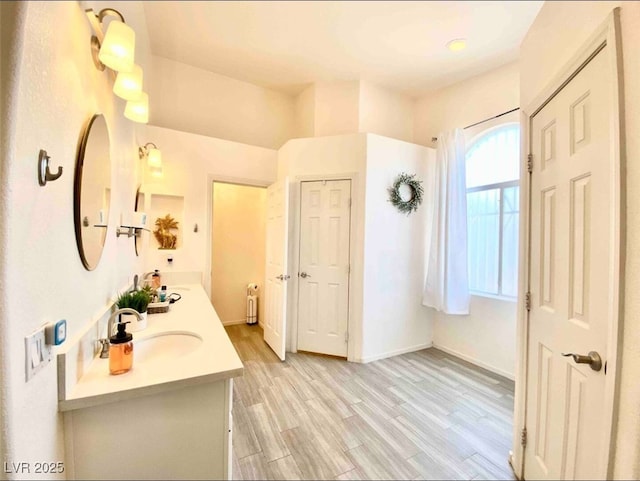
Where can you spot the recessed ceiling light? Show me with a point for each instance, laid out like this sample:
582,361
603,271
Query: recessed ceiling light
457,44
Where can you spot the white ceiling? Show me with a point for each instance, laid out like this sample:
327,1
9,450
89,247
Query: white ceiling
286,45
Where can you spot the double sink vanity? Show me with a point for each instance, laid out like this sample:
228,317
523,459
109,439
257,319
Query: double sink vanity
167,418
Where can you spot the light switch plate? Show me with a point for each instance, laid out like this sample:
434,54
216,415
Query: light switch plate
37,353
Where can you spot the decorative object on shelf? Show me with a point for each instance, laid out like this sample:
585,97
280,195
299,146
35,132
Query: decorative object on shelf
163,234
44,174
115,49
409,200
154,158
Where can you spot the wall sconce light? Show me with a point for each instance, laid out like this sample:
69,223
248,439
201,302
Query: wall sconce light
116,49
154,158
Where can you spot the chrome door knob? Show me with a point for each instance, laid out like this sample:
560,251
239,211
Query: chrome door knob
593,359
304,275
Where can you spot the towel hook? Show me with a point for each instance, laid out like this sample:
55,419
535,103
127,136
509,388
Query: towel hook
44,173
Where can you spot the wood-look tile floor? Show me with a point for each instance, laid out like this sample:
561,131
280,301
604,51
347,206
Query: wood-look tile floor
423,415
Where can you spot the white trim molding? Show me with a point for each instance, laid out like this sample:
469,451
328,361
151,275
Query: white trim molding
472,360
397,352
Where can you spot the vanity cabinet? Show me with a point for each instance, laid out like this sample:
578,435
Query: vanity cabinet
178,434
167,418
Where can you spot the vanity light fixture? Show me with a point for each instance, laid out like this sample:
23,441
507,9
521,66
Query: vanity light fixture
154,158
116,49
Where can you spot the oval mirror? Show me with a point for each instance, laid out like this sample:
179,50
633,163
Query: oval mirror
92,191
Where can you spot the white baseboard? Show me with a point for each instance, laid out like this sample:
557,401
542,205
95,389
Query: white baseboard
234,323
397,352
472,360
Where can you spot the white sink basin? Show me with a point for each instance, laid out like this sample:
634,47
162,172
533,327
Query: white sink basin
165,346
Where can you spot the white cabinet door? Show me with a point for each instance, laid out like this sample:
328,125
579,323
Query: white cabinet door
323,297
275,312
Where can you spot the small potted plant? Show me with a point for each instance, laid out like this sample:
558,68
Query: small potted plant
138,301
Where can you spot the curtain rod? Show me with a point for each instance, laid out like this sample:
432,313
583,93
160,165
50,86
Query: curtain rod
433,139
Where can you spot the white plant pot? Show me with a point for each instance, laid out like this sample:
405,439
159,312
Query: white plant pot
134,324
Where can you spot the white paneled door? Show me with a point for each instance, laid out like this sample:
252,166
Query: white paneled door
323,296
572,270
275,308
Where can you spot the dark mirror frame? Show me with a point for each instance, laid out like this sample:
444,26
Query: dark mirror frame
138,238
77,191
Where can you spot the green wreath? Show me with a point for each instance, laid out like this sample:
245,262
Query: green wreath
406,206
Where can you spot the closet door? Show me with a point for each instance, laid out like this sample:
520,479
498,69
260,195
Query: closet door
323,296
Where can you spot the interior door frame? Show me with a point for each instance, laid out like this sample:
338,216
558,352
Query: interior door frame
211,178
295,191
607,34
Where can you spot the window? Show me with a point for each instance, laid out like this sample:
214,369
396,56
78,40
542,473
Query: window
493,170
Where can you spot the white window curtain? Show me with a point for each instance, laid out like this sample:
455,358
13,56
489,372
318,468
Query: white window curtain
446,285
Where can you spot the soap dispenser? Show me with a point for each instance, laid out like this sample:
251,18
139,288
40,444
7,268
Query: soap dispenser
156,279
121,350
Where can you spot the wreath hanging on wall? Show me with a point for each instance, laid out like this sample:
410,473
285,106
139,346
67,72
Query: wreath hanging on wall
406,206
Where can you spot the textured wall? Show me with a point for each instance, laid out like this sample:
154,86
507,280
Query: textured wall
42,277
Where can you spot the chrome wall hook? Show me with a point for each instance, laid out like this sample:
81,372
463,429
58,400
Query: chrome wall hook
44,173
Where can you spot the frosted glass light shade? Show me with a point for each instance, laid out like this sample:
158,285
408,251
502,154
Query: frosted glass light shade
118,47
156,171
128,85
138,110
154,158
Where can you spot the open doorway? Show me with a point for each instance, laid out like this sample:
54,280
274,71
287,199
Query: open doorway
237,249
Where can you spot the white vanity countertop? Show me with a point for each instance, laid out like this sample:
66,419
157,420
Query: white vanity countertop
213,360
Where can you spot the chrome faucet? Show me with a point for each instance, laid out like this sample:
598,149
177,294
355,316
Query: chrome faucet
146,275
105,342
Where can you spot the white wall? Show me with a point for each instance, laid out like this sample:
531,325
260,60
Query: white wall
190,163
42,276
569,24
385,112
336,108
326,156
394,320
466,102
487,335
305,113
195,100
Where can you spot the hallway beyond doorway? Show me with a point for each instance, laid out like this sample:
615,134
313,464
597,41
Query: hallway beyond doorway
420,415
